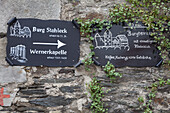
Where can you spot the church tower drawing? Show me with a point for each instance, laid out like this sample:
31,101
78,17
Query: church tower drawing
108,41
17,31
17,28
18,53
107,38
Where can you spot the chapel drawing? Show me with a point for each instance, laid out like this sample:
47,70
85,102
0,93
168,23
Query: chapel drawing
18,53
17,31
108,41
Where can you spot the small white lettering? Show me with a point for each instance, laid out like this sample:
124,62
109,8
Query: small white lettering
137,34
142,46
126,58
48,52
38,30
56,30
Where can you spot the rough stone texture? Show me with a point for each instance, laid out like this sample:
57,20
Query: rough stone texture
66,71
42,9
10,74
8,101
3,42
72,9
64,90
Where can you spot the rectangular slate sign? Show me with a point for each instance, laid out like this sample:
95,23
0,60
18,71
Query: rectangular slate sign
125,45
34,42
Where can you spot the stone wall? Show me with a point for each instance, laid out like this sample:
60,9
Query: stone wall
63,90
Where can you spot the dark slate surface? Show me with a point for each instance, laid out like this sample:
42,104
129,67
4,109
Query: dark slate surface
66,71
70,89
34,42
33,91
52,101
123,46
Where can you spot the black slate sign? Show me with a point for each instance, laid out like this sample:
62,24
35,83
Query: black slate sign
34,42
125,45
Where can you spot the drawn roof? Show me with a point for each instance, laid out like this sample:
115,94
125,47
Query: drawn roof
108,32
122,37
97,35
17,24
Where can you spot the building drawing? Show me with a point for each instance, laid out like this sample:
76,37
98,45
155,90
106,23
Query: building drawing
18,53
108,41
17,31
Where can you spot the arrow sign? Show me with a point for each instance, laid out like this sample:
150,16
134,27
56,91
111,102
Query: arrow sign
29,47
58,44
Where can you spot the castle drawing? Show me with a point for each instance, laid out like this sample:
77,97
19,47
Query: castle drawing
17,31
107,41
18,53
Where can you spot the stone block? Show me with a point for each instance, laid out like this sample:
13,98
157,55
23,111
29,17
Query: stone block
3,42
42,9
6,98
12,75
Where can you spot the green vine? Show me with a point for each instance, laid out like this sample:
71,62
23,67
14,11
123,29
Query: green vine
96,93
88,61
86,28
111,71
152,94
154,14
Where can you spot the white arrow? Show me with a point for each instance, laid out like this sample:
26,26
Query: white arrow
58,44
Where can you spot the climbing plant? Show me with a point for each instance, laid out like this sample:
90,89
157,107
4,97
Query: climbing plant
146,105
88,61
155,15
111,71
96,93
86,28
